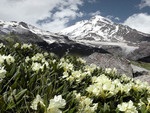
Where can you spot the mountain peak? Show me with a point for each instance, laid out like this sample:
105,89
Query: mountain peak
99,18
102,29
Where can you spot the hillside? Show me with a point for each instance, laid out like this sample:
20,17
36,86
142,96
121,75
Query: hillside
32,80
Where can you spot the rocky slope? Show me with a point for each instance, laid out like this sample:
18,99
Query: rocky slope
108,61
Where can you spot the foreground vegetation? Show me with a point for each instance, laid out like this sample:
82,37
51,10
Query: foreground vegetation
32,80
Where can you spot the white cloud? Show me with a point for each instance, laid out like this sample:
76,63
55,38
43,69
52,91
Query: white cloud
55,25
94,13
31,11
144,3
140,21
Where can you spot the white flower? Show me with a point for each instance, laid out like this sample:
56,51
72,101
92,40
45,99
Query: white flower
76,74
16,45
127,88
78,95
85,104
53,61
89,109
86,101
45,54
38,57
36,66
25,46
66,66
2,73
27,59
52,54
81,60
70,78
9,59
125,78
142,103
65,74
46,64
127,107
148,99
90,68
108,70
114,71
2,45
35,102
55,104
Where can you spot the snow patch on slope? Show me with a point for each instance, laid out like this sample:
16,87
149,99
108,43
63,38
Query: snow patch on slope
125,47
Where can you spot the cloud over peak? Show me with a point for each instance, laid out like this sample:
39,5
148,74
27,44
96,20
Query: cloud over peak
36,12
139,21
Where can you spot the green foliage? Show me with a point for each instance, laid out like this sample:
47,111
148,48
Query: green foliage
35,72
142,64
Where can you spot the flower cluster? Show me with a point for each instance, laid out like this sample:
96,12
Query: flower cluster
37,66
90,68
2,45
54,104
103,86
75,75
25,46
110,71
38,62
127,107
85,88
9,59
36,101
16,45
2,73
66,66
81,60
86,104
38,57
140,86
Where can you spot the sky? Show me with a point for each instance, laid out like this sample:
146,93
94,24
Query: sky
55,15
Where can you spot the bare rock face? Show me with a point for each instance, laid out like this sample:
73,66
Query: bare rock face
122,65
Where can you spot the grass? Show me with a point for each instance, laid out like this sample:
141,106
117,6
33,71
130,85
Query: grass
141,64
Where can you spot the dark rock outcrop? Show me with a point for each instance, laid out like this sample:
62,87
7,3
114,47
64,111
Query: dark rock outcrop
122,65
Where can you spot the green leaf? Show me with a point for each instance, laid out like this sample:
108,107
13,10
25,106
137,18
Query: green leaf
12,71
2,103
20,94
106,108
32,82
59,89
72,110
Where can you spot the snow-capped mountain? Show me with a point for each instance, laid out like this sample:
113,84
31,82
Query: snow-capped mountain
101,29
116,38
52,42
23,28
86,37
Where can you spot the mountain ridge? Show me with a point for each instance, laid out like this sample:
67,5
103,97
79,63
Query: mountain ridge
131,44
